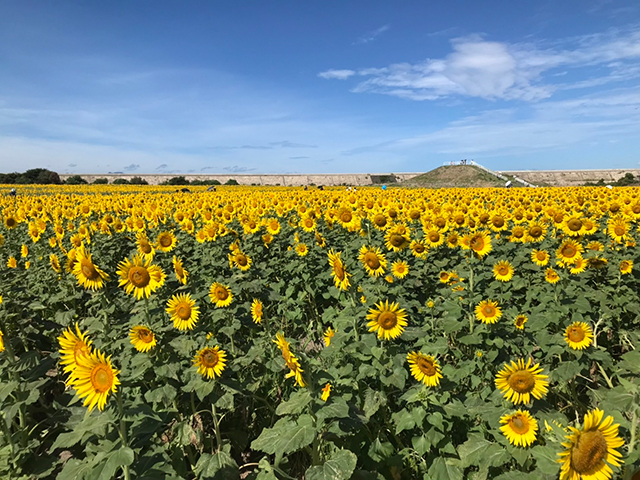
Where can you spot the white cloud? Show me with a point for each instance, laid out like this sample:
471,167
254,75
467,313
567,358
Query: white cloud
369,37
337,74
498,70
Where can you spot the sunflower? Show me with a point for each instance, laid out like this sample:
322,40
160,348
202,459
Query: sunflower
179,270
12,262
400,269
551,276
424,368
373,260
302,250
569,252
595,246
519,427
240,260
142,338
183,311
1,341
210,361
434,237
488,311
386,320
326,391
256,310
140,277
145,248
418,249
24,251
540,257
340,276
578,335
220,295
480,243
444,276
10,222
618,229
578,267
397,238
626,266
95,378
166,241
519,321
55,263
72,347
88,274
503,271
519,381
328,335
591,450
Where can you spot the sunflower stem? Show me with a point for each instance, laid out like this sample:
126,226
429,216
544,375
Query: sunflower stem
471,316
216,426
634,427
604,374
122,430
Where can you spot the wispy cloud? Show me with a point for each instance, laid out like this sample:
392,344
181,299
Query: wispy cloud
493,70
371,36
131,168
297,158
163,166
288,144
238,169
337,74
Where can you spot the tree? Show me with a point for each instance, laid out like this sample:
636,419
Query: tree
176,181
100,181
231,181
121,181
76,180
138,181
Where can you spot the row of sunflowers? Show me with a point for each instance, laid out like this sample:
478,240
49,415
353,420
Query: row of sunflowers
283,333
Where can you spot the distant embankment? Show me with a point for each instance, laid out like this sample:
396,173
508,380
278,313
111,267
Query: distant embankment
289,180
571,178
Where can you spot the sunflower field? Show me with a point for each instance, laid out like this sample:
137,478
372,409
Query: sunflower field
281,333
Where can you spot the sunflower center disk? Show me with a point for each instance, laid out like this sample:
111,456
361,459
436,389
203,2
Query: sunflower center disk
209,359
146,248
426,367
569,251
576,334
338,271
372,261
498,222
101,378
574,225
221,293
519,425
535,232
146,336
387,320
589,451
139,276
522,381
183,311
488,311
88,270
476,244
619,230
241,260
346,217
398,240
502,270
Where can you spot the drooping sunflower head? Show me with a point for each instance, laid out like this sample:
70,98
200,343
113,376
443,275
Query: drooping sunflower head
145,248
220,295
519,381
340,275
387,320
73,345
488,311
424,368
591,451
210,361
578,335
89,275
519,427
142,338
328,335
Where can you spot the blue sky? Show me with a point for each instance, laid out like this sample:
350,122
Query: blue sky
318,86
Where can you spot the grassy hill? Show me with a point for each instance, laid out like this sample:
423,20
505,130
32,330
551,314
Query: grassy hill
454,176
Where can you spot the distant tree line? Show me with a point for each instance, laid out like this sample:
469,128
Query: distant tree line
628,180
181,180
40,176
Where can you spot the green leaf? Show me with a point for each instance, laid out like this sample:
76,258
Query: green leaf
339,467
373,400
334,408
296,403
479,451
105,466
219,466
164,395
286,436
546,459
90,424
443,469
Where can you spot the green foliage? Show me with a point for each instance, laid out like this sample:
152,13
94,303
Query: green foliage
76,180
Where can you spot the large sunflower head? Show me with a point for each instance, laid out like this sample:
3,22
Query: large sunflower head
89,275
95,378
480,243
183,311
591,451
569,252
503,271
220,295
488,311
142,338
519,381
210,361
73,345
166,241
140,277
424,368
387,320
400,269
373,260
519,427
145,248
397,238
578,335
551,276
